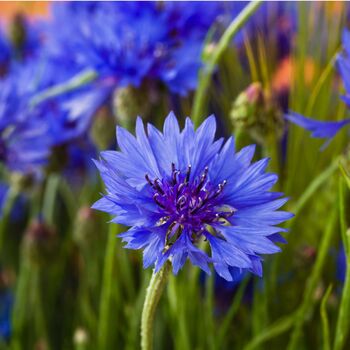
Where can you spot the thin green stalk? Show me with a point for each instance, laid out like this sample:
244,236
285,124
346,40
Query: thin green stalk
306,307
104,324
21,304
9,202
209,312
345,175
223,329
209,67
74,83
342,328
135,317
260,308
277,328
51,188
320,82
177,299
69,198
153,294
38,307
315,185
325,323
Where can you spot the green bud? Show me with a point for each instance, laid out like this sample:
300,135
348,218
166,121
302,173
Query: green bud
21,182
58,159
255,112
128,103
86,227
103,128
18,33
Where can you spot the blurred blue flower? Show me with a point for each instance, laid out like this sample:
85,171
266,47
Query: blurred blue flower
276,22
6,303
24,138
29,130
176,189
127,43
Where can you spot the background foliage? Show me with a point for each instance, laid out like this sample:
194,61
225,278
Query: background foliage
67,283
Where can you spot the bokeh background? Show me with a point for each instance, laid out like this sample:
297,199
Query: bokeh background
70,73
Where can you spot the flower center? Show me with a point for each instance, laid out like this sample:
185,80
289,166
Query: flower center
189,203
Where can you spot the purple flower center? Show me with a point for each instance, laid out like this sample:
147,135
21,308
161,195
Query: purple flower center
188,203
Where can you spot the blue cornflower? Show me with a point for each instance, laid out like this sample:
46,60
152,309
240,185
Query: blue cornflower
177,189
128,43
328,129
29,131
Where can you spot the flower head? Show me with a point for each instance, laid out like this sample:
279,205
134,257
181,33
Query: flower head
128,43
177,189
29,130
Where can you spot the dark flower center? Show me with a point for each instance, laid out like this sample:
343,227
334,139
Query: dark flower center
189,203
3,152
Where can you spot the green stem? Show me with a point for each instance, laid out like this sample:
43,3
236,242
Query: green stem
74,83
153,294
315,185
50,195
39,314
342,328
320,82
277,328
21,303
107,289
135,317
207,71
325,321
306,306
10,200
224,327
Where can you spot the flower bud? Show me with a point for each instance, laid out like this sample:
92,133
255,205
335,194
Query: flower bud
39,242
86,227
18,33
21,182
103,129
7,278
58,159
128,103
255,112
